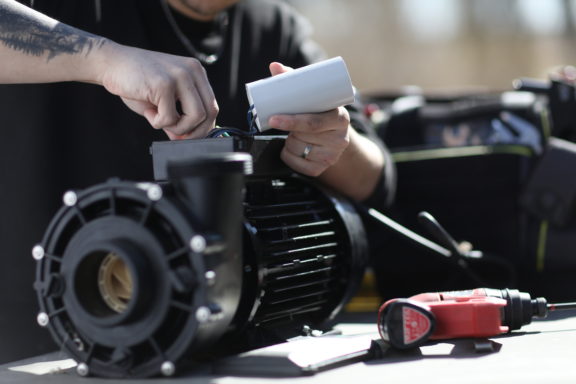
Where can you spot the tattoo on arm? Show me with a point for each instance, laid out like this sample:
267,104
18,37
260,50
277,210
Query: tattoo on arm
23,33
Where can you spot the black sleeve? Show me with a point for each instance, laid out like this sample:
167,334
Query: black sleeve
384,192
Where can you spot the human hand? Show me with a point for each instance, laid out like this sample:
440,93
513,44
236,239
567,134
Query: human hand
315,141
152,84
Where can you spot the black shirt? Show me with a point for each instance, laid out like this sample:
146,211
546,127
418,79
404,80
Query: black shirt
70,135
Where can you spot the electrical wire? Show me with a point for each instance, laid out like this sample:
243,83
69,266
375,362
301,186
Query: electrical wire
227,132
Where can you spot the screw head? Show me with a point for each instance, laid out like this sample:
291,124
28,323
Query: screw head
82,369
38,252
168,368
198,243
154,192
203,314
210,277
43,319
70,198
78,343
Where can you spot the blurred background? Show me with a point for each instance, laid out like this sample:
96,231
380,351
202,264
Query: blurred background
444,44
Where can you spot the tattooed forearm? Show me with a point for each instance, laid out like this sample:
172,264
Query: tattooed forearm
22,32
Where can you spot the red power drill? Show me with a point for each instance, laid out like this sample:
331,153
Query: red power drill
481,312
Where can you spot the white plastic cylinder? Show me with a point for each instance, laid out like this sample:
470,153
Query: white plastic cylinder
318,87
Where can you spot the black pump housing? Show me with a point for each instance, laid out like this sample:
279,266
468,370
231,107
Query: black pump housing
139,279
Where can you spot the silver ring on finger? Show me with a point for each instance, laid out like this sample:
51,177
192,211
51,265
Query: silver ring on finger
306,152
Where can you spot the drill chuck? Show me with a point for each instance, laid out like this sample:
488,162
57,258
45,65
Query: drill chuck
520,308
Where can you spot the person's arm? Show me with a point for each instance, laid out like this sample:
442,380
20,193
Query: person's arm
37,49
324,145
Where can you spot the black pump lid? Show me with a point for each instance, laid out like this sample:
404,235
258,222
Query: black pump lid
211,164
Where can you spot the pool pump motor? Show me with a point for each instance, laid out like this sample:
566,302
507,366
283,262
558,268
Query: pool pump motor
227,245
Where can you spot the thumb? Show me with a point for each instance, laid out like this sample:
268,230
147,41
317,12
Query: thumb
278,68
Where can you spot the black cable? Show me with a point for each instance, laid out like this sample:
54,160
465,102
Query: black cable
458,258
226,132
252,116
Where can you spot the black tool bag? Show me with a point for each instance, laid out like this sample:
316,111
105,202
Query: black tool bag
477,163
550,200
